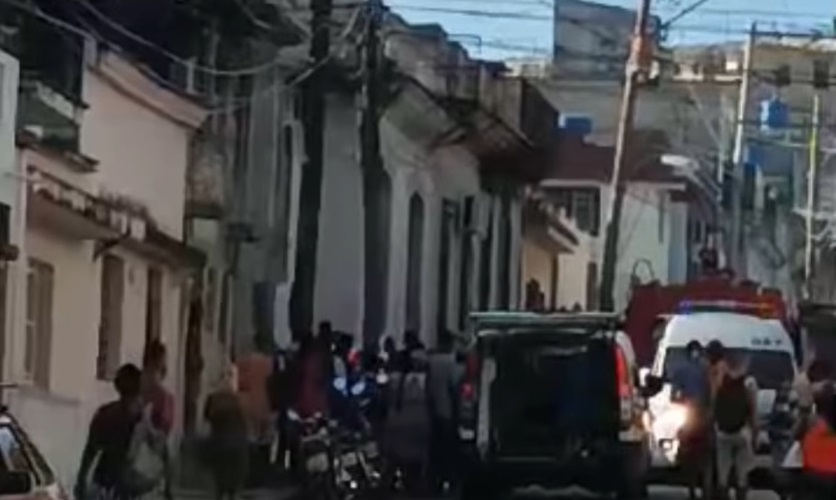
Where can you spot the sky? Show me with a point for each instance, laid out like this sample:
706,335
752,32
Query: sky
501,29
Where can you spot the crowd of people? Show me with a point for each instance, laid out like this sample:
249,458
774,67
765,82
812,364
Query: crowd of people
251,442
413,394
722,434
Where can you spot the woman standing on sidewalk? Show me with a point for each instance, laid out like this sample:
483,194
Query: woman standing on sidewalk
228,452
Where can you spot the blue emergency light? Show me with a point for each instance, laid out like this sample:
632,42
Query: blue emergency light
763,310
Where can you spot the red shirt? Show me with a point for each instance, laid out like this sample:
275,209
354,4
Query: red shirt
819,449
162,407
312,396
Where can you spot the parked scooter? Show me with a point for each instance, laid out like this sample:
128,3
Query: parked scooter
357,459
315,456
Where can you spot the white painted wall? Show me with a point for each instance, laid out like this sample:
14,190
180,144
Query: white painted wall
10,185
442,173
647,233
137,148
679,245
339,267
537,265
8,113
142,153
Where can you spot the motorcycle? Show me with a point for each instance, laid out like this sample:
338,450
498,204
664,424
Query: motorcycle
357,468
315,455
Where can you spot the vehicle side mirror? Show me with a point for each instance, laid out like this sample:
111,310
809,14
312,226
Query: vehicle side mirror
644,372
651,385
15,483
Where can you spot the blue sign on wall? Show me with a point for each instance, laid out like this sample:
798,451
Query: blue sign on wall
576,125
774,115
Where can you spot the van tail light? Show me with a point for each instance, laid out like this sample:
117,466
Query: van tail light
469,393
625,387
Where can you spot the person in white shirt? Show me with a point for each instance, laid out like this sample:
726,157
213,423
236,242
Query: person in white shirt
441,402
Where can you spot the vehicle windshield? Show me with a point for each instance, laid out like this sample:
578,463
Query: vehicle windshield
12,452
771,369
18,454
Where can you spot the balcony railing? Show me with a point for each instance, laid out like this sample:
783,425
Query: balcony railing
51,67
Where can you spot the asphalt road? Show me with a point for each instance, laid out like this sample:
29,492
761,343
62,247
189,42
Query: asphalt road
656,493
660,493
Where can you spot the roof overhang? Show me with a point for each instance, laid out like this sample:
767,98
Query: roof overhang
134,83
502,150
543,226
440,122
420,114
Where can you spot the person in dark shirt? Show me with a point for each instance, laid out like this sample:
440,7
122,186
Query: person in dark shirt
691,381
228,455
691,386
109,438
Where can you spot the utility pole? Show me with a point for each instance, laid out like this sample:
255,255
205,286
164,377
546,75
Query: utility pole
737,174
375,214
310,199
812,177
636,69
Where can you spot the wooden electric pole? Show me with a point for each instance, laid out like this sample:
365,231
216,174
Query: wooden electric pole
310,199
375,208
636,71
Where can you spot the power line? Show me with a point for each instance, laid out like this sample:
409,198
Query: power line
682,13
709,11
281,84
276,62
526,16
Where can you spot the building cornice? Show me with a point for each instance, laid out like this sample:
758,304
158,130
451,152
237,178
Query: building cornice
132,82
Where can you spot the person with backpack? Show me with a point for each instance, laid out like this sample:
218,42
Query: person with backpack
122,444
735,419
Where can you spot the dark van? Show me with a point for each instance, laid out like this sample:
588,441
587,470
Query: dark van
552,401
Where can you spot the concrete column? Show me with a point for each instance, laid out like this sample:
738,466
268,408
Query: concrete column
515,255
495,222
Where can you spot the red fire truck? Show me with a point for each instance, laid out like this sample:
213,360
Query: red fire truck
651,304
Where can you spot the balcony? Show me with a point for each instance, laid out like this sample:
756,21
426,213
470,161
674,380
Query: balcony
109,220
51,67
69,210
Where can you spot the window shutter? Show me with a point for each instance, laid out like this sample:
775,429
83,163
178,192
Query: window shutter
44,325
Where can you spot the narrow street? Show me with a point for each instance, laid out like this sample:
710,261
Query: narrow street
656,493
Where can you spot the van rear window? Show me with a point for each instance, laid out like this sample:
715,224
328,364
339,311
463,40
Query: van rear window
771,369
